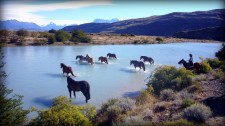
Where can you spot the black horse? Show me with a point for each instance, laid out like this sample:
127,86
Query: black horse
195,66
139,64
81,58
66,69
111,55
82,86
148,59
103,59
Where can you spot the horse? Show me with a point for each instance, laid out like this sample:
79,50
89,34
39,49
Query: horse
139,64
82,86
89,59
111,55
196,66
81,58
103,59
66,69
149,59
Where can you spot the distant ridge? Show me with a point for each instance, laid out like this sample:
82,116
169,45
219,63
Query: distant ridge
164,25
106,21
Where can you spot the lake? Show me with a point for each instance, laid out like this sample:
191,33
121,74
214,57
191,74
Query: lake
35,73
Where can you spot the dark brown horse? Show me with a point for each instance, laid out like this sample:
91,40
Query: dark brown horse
196,66
82,86
81,58
139,64
66,69
111,55
148,59
89,59
103,59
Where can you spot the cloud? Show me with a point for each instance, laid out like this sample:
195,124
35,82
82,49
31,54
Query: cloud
25,12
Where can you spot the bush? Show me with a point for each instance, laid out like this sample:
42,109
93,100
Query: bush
185,95
159,39
61,113
205,66
145,97
197,113
169,77
180,122
214,63
221,53
52,31
62,36
22,32
80,36
167,95
187,102
51,39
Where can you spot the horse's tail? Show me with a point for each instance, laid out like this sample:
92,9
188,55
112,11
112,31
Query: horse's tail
88,92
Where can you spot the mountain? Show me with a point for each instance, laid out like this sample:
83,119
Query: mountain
105,21
212,33
52,25
164,25
16,25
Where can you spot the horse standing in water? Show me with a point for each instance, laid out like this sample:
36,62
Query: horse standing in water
103,59
111,55
149,59
89,59
66,69
139,64
81,58
196,66
82,86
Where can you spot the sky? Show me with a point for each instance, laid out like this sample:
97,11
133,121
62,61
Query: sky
67,12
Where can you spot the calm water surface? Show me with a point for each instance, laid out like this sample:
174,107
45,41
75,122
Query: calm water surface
35,73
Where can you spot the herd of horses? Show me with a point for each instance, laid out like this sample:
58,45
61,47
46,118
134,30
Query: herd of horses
84,86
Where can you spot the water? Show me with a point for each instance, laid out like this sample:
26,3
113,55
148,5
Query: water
35,73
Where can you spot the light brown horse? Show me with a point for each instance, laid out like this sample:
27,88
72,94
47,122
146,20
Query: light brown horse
82,86
196,66
103,59
89,59
66,69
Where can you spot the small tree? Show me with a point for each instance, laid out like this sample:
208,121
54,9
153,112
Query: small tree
11,111
52,31
80,36
22,32
62,36
51,39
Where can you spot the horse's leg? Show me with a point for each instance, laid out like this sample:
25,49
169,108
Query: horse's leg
74,94
70,93
85,94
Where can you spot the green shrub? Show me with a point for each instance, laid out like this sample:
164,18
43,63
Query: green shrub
135,121
61,113
167,95
214,63
80,36
205,66
62,36
221,53
22,32
51,39
180,122
187,102
185,95
159,39
144,97
169,77
197,113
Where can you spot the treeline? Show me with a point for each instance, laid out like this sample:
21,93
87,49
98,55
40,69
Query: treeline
23,37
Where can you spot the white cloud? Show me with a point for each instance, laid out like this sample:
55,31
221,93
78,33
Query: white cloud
23,12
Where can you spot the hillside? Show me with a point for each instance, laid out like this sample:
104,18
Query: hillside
213,33
164,25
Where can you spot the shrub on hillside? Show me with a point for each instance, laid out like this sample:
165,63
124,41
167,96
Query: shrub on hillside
145,97
180,122
159,39
61,113
51,39
62,36
80,36
197,113
167,95
221,53
187,102
205,66
214,63
22,32
169,77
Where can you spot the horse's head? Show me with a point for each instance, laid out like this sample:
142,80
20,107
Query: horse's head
61,65
131,62
99,58
77,56
108,54
182,61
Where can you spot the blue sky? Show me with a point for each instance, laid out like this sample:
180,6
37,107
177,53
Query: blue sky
82,11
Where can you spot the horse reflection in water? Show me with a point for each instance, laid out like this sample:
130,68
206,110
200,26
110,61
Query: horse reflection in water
147,59
139,64
195,66
103,59
82,86
89,59
111,55
66,69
